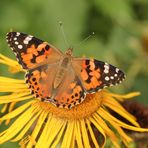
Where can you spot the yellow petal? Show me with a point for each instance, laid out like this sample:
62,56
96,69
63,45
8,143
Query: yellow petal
15,127
4,108
100,130
17,111
117,127
123,97
68,135
14,66
78,134
11,106
26,127
92,134
112,103
14,97
107,130
122,124
25,140
84,133
58,124
41,140
59,136
11,80
40,123
116,107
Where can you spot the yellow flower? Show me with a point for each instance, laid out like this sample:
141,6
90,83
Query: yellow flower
38,124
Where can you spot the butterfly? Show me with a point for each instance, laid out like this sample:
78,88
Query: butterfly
60,78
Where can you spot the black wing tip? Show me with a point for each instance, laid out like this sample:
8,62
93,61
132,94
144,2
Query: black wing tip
122,76
11,33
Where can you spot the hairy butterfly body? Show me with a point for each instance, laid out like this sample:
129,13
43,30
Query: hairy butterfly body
60,78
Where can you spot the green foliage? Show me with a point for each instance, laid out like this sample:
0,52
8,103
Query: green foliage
120,26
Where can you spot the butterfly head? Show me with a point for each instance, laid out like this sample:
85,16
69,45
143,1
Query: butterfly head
69,51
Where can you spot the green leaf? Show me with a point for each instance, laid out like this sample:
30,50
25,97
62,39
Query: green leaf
118,10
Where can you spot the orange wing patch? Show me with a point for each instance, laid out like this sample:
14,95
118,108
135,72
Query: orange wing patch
90,75
95,75
34,55
36,81
70,93
68,100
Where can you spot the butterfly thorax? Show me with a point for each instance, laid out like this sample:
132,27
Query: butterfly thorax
69,51
61,71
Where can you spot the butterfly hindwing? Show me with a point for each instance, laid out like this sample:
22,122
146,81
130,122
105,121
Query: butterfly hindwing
96,75
40,80
31,51
70,92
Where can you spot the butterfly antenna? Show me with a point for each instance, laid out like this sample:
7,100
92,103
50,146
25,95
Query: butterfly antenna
85,39
63,33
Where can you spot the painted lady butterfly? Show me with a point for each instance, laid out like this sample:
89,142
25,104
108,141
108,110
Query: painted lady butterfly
58,77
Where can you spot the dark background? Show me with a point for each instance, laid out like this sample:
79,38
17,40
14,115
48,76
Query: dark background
120,26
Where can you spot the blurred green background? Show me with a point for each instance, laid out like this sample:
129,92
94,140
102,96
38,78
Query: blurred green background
120,26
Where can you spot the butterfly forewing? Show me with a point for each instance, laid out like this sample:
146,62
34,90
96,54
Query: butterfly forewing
31,51
95,75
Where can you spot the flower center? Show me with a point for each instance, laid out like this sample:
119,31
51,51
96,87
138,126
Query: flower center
91,103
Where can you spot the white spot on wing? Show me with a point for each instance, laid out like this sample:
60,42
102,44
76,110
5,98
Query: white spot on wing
17,34
16,43
12,49
117,70
106,71
115,75
25,42
15,53
27,39
20,46
107,78
112,77
106,68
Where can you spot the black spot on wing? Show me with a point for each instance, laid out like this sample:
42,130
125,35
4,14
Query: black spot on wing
33,60
47,47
